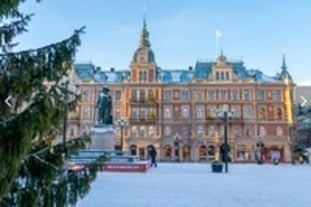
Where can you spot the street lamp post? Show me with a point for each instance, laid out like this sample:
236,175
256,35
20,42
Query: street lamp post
226,140
121,123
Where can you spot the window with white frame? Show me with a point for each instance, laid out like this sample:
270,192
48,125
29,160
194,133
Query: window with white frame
247,112
134,113
167,113
246,94
277,95
235,111
134,131
200,112
211,131
167,131
211,112
199,95
134,95
260,95
86,95
85,112
234,95
200,130
185,112
142,113
117,112
185,95
142,130
211,95
262,131
117,95
223,95
151,131
167,95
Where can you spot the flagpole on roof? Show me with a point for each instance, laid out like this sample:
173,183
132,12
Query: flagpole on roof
218,35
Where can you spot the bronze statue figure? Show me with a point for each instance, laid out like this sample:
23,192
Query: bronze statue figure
104,105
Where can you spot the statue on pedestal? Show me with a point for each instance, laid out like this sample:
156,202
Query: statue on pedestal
104,105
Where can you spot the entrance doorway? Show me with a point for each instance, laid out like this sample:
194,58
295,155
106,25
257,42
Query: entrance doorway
142,153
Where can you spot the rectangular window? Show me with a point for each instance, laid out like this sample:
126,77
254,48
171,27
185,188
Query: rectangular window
134,113
86,95
142,95
199,95
142,113
185,95
185,112
223,95
167,131
167,95
167,113
277,95
200,112
134,95
260,95
234,95
211,95
134,131
117,95
151,95
246,95
151,131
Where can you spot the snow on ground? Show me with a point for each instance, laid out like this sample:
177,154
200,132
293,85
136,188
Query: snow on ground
193,184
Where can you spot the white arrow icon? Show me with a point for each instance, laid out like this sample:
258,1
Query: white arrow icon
304,100
7,101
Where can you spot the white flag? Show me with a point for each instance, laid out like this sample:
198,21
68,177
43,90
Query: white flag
218,33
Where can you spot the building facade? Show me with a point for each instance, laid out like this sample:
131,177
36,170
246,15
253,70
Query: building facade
180,112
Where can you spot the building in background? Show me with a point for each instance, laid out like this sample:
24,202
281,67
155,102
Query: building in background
303,116
179,111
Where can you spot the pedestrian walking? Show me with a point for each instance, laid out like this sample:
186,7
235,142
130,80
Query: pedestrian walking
153,156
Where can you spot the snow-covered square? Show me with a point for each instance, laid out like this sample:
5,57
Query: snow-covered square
193,184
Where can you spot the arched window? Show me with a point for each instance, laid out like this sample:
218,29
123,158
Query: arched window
133,149
203,151
167,152
211,150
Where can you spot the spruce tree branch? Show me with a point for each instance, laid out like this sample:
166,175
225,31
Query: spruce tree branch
11,30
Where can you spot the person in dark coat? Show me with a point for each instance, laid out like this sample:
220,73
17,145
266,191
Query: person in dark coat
153,156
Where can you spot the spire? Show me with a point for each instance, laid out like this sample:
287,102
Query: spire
284,67
144,35
284,73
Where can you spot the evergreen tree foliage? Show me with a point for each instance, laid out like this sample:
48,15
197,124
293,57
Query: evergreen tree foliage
29,123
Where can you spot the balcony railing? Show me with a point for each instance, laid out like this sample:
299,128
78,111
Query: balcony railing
143,120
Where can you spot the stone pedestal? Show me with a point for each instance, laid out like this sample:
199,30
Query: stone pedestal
102,137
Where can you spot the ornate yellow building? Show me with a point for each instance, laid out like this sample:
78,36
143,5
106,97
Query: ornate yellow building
179,111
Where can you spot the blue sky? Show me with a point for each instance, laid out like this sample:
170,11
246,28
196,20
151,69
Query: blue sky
181,31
